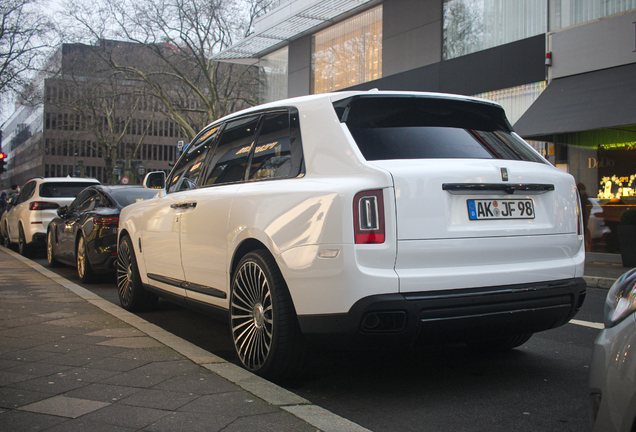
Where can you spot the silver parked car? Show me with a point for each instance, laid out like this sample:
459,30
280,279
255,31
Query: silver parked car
613,371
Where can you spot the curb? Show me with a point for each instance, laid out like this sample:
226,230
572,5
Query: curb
269,392
599,282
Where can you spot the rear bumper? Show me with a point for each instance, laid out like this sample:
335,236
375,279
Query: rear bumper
448,316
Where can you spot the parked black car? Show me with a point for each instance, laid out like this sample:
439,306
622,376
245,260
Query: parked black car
85,233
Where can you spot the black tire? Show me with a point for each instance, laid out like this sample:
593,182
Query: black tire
132,295
263,322
84,269
7,241
50,256
23,247
502,344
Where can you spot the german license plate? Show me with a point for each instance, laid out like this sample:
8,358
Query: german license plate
500,209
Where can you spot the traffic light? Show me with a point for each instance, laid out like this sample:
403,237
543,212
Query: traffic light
3,162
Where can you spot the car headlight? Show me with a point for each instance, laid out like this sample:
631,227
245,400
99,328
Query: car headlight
621,299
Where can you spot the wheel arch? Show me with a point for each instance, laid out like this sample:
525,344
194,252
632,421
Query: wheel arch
246,246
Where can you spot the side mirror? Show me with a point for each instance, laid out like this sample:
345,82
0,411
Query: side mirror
155,180
61,212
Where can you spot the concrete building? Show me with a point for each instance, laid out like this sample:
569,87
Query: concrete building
53,138
564,70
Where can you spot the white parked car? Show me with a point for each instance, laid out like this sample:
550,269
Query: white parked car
26,220
360,218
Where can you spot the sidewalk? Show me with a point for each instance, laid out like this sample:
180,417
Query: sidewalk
71,361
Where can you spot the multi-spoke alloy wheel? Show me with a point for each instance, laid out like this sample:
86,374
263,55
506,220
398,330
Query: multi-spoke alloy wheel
84,269
263,321
132,295
252,315
50,257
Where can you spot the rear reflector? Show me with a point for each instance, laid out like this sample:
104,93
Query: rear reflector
42,205
368,215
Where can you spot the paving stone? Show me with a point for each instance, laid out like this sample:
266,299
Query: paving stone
127,416
13,398
52,385
198,383
7,364
21,421
103,392
117,332
117,364
163,400
28,355
153,373
192,422
15,344
87,374
161,353
81,425
59,347
132,342
64,406
7,378
37,369
273,422
237,403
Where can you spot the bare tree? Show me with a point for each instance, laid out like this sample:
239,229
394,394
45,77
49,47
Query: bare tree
463,27
179,38
25,35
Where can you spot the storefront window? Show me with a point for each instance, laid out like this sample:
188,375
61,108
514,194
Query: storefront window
273,74
348,53
475,25
603,163
566,13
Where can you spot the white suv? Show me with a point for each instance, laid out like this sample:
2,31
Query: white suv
27,218
360,218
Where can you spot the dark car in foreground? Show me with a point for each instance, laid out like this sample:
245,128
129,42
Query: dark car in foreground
85,233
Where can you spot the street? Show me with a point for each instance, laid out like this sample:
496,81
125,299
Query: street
541,386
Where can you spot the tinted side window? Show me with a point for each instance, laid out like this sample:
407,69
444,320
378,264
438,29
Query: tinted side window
79,202
229,162
272,155
429,128
186,173
26,192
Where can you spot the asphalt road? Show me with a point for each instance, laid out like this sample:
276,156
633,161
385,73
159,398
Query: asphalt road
540,386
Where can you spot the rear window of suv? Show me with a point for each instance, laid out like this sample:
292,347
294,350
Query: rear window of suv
430,128
62,189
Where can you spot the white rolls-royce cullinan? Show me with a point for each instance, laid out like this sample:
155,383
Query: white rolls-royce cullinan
367,219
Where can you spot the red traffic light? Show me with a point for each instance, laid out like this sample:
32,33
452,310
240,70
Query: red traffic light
3,155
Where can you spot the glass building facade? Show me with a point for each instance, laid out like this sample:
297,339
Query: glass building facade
348,53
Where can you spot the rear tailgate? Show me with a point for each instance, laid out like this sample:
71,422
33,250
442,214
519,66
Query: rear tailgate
441,247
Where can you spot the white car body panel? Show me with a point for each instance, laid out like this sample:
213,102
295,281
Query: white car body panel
306,223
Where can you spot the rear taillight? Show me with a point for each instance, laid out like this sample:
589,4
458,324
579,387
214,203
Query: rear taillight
42,205
114,220
368,215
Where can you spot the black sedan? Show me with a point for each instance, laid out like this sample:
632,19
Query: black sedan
85,233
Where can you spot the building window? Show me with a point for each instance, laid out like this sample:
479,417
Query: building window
475,25
566,13
273,74
348,53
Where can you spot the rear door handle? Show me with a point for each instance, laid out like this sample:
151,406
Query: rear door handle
183,205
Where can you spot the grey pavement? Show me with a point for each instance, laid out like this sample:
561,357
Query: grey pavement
71,361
